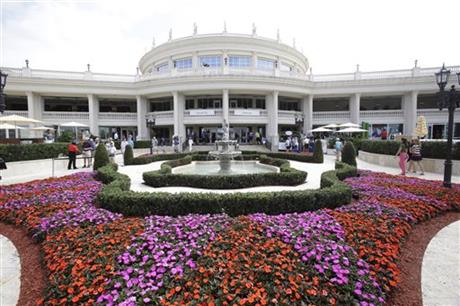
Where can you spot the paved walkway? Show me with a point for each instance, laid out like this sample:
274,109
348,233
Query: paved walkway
10,273
441,268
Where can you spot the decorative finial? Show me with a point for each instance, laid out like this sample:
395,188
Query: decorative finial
415,63
153,42
88,66
195,28
27,63
357,67
225,27
293,42
170,34
278,38
254,29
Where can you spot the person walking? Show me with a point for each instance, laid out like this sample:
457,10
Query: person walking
154,144
190,144
72,151
110,145
87,148
416,157
402,153
123,145
338,149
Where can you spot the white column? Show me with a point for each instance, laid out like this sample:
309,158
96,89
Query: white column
225,114
354,108
307,108
142,132
271,102
410,112
34,105
178,109
93,108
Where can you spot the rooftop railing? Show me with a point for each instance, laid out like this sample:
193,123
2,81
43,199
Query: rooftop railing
216,71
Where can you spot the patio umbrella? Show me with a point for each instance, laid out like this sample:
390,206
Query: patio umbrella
321,130
75,125
15,119
331,126
351,130
349,125
41,128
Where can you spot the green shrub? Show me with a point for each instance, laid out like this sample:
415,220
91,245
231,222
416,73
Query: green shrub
430,149
116,197
163,177
128,155
349,154
142,144
318,152
18,152
101,157
66,136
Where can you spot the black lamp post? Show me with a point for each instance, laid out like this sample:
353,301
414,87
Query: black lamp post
150,122
450,100
299,121
3,77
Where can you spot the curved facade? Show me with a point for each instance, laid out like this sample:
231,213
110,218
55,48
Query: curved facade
190,85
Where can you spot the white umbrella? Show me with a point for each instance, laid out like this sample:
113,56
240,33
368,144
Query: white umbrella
15,119
74,124
288,133
352,130
41,128
320,129
331,126
349,125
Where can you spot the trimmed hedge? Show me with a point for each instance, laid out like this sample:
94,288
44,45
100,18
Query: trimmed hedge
349,154
286,177
117,197
318,155
101,157
18,152
430,149
128,155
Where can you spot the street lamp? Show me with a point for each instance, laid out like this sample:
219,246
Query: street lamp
3,77
299,120
150,122
450,100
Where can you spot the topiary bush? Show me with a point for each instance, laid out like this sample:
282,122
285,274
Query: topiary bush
128,155
349,154
318,154
101,158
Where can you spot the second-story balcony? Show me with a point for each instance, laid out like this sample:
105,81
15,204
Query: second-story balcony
62,117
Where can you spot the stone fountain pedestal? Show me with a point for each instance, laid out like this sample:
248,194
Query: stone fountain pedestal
225,152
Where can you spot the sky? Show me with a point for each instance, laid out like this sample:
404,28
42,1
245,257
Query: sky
335,35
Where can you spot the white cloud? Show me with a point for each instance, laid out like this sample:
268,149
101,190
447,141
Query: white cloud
335,35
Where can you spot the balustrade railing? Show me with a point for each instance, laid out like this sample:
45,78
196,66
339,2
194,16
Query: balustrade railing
117,116
396,113
16,112
66,115
208,71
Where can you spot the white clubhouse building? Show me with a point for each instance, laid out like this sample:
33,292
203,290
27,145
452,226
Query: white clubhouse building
255,83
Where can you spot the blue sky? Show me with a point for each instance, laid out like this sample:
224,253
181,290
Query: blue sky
334,35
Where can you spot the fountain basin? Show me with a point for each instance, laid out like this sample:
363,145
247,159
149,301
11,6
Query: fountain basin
214,168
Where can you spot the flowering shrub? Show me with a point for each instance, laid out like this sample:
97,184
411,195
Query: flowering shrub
345,256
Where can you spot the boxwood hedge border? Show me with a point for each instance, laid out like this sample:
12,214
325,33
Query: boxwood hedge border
286,177
116,196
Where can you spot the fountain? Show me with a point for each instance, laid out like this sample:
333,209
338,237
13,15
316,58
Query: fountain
225,150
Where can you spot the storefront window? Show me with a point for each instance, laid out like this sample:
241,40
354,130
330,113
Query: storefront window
331,104
161,104
64,104
380,103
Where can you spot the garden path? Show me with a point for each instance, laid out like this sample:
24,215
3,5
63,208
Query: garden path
441,268
10,273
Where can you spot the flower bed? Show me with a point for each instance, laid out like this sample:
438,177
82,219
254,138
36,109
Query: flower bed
344,256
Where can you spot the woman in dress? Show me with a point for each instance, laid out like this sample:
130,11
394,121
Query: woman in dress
402,152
